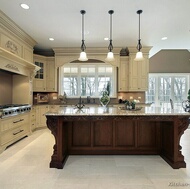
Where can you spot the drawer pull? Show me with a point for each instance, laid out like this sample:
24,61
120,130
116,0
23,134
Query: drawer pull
18,121
18,132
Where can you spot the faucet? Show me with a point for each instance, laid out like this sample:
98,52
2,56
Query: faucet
80,105
88,99
171,104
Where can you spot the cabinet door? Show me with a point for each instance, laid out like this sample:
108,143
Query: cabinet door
37,116
51,77
138,75
39,82
144,70
40,116
33,119
43,110
133,75
123,74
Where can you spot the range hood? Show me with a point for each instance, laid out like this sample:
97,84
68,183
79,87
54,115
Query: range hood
15,64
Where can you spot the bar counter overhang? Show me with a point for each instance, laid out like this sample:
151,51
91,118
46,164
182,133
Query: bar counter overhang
111,131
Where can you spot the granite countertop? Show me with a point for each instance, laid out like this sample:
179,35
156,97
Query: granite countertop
111,111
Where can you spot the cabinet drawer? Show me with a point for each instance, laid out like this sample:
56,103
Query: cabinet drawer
33,125
12,123
15,133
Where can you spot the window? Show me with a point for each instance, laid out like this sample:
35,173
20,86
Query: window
163,87
87,80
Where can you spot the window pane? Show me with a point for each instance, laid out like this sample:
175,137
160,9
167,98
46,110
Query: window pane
84,70
165,89
91,70
102,83
66,70
70,85
74,70
87,86
179,88
101,69
109,70
150,94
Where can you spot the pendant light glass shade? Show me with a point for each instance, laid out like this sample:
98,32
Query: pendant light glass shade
83,56
110,55
139,55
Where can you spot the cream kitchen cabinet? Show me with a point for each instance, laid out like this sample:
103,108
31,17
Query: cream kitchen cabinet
46,78
40,116
39,82
138,74
51,76
33,118
13,128
123,81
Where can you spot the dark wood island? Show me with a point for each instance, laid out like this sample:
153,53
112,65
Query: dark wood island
94,131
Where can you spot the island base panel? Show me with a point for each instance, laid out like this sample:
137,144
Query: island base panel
140,135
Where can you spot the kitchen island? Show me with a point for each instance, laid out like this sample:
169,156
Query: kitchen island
113,131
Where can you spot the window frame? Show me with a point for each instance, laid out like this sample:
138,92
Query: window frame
113,76
157,77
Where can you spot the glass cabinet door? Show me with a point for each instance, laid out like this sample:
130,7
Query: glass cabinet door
40,73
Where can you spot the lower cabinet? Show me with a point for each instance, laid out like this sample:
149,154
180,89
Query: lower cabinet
13,128
16,127
40,115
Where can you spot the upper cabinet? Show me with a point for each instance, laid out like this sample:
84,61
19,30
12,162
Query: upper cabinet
138,75
123,81
133,75
16,48
46,78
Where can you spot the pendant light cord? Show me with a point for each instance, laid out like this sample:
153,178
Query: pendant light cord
83,47
139,46
139,27
110,47
110,26
82,26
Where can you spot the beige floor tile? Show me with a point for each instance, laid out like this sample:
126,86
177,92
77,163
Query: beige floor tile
25,165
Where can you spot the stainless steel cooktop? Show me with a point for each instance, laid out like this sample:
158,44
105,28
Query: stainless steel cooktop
13,109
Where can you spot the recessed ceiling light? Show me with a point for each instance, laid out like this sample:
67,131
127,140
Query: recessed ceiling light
51,39
106,38
24,6
164,38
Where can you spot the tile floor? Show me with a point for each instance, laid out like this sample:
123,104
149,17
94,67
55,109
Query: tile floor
25,165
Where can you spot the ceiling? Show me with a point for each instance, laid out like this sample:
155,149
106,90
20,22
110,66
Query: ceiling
61,19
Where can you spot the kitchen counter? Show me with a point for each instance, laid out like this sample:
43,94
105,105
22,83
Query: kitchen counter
113,111
112,131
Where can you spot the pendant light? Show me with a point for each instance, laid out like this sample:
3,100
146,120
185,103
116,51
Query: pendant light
83,56
139,55
110,56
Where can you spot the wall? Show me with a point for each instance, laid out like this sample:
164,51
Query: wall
5,87
132,96
170,61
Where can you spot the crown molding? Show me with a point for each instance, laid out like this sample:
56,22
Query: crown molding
145,49
11,27
89,50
